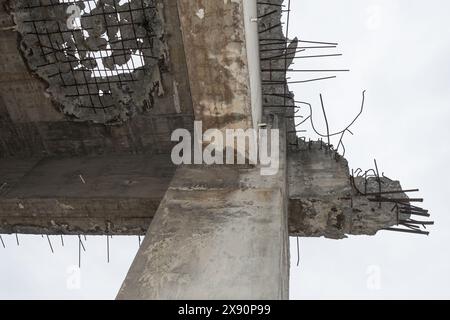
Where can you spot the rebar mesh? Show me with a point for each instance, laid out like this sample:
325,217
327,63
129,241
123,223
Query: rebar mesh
100,58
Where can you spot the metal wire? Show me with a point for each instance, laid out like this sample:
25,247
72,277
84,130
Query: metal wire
401,206
51,34
3,243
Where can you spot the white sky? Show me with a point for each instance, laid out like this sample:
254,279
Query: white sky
398,50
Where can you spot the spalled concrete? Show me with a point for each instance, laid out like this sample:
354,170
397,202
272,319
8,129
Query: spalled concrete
276,94
106,71
33,124
324,202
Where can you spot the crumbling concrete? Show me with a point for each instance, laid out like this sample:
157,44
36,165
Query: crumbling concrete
91,71
277,96
325,202
32,124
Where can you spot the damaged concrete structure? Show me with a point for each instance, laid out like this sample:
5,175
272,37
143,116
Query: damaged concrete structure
325,199
105,70
85,142
45,116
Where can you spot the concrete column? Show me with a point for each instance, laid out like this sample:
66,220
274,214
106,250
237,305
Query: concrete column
219,233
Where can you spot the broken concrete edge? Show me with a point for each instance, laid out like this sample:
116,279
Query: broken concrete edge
81,108
327,201
32,125
276,97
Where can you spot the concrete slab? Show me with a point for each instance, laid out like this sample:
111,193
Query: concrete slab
31,124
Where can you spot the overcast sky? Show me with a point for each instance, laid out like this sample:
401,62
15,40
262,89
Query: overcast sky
397,50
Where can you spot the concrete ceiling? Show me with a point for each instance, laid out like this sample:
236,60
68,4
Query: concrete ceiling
33,122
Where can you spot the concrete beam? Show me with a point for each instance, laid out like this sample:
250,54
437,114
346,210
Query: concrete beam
121,194
88,195
325,203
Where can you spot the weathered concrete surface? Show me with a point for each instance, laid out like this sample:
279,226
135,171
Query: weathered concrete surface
32,125
88,195
324,201
215,47
219,233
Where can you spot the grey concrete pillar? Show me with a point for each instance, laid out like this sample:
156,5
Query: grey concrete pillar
219,233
